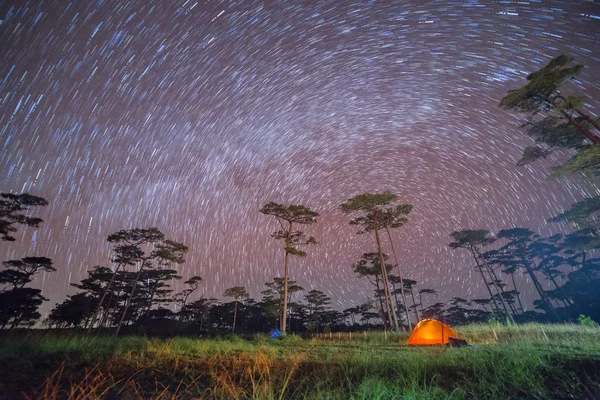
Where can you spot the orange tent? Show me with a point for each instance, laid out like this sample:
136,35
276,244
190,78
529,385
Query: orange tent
430,331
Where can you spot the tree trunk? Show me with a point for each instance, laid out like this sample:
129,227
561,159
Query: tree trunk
385,321
128,303
592,138
386,285
512,277
499,289
150,305
14,324
285,294
105,312
401,281
414,304
479,267
500,292
288,243
99,306
538,287
234,316
587,118
396,301
563,299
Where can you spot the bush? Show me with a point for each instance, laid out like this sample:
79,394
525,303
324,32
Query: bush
587,321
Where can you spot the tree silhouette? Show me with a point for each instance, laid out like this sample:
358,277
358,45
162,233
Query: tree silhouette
394,281
473,241
165,252
457,313
504,260
19,304
425,291
565,124
142,247
19,272
368,266
409,286
237,293
435,311
277,295
95,286
375,212
74,312
396,218
156,286
366,312
584,214
192,285
286,217
199,310
351,313
521,244
482,302
12,212
581,290
318,306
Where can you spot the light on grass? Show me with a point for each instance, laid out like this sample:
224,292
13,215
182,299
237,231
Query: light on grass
521,361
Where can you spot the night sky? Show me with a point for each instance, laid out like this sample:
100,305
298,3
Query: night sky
189,115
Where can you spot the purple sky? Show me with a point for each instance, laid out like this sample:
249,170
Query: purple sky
189,115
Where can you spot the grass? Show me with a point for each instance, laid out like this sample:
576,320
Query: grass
521,364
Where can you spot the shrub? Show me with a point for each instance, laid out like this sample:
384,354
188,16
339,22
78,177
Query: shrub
586,321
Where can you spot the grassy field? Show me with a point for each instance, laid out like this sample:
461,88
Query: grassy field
518,362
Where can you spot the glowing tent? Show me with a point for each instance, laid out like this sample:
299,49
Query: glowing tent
430,331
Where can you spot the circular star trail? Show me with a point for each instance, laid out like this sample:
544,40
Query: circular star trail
189,115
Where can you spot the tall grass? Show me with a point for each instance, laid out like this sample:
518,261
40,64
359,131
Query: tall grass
522,364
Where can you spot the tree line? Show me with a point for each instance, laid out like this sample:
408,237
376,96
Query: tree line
558,268
136,293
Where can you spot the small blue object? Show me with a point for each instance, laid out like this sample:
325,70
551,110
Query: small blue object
275,333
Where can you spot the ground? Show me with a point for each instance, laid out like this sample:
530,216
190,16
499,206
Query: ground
524,362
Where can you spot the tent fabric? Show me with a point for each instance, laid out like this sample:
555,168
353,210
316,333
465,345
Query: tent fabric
275,333
430,331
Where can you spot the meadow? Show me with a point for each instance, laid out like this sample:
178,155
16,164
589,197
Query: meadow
503,362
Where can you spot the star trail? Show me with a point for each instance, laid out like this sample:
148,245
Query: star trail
190,115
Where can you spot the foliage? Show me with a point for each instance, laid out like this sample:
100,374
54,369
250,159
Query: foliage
541,86
468,239
73,312
375,211
587,321
286,216
318,305
192,285
564,125
581,213
372,213
586,161
148,249
19,304
237,293
13,208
